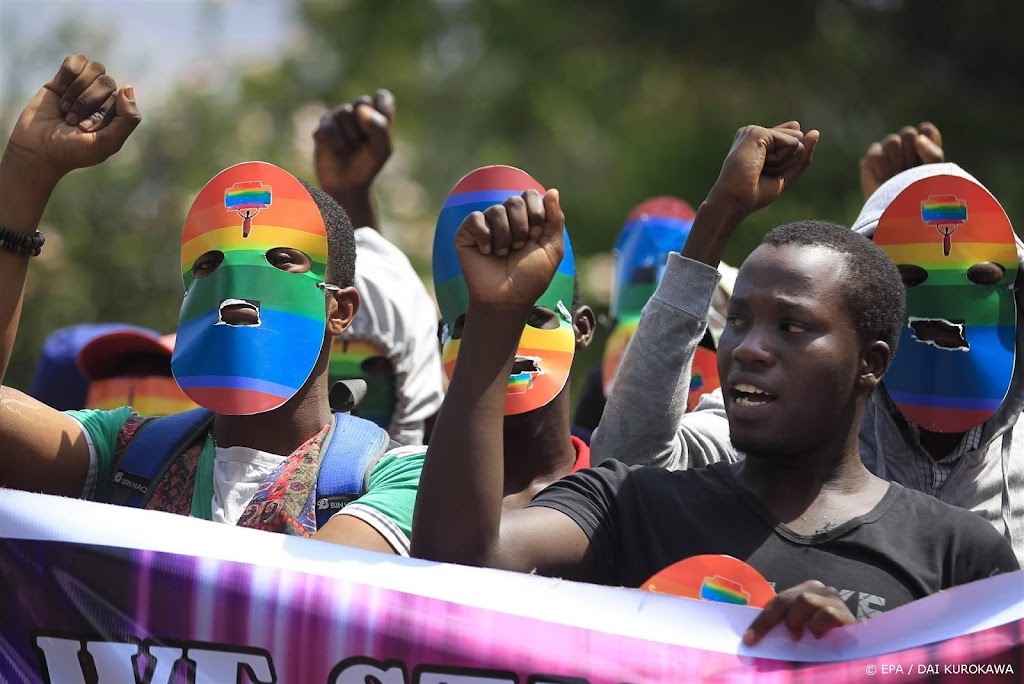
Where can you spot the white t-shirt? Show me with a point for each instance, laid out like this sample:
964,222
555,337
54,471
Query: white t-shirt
397,314
237,472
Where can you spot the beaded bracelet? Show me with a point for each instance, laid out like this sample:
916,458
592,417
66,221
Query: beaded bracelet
20,243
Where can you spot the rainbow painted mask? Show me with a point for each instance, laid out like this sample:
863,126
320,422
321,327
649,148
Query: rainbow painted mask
654,228
545,354
244,212
955,249
356,359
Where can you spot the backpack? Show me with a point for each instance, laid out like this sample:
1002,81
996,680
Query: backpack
351,450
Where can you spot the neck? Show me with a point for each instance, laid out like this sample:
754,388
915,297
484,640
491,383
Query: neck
790,485
284,429
939,444
538,445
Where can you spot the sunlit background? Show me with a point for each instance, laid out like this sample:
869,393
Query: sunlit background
611,102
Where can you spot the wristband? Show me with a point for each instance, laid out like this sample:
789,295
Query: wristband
20,243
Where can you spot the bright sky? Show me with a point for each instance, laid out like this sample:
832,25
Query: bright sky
153,42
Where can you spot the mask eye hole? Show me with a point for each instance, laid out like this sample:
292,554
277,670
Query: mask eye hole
206,264
985,273
912,274
290,260
543,318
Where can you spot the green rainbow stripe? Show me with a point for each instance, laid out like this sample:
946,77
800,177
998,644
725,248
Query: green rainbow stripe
288,294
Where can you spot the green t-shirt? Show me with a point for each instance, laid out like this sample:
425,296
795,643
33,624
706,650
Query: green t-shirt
391,491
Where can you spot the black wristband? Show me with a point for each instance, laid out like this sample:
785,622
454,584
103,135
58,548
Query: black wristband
20,243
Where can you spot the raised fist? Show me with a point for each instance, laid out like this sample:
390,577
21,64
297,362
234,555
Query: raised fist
353,142
760,165
79,118
898,152
510,252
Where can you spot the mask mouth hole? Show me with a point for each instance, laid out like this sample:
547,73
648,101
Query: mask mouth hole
243,313
525,364
940,333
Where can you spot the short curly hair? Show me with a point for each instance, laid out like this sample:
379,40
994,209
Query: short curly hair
874,290
341,241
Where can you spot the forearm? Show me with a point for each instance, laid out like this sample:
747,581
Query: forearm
24,193
711,231
359,206
643,419
458,507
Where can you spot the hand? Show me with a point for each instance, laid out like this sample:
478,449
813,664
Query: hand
353,142
760,165
809,605
510,252
898,152
79,118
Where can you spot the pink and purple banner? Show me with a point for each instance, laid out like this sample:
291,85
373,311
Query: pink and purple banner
95,593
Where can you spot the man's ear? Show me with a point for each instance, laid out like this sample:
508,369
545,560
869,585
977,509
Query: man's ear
873,365
342,306
584,323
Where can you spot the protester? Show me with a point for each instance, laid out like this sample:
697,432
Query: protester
58,380
947,419
267,264
971,466
392,343
132,367
653,228
538,446
799,359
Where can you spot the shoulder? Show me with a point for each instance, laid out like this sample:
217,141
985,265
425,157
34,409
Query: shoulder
964,534
400,464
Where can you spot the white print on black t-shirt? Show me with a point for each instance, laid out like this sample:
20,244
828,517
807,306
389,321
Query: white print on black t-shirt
864,605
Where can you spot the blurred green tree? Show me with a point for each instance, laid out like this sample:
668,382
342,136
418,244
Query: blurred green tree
610,102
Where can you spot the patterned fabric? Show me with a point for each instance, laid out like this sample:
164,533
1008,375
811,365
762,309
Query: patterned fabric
284,503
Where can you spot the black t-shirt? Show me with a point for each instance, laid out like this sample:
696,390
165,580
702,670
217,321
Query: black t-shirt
643,519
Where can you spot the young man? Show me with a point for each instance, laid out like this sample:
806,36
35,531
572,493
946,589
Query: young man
268,267
392,343
538,446
807,341
971,465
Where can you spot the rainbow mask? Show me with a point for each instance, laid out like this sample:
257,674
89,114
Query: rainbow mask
956,354
244,212
357,359
544,356
654,228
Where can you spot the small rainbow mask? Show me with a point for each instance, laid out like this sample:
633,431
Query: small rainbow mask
955,249
360,360
544,356
654,228
244,212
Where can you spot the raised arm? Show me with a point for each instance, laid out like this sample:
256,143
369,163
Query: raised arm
351,145
645,420
77,119
509,254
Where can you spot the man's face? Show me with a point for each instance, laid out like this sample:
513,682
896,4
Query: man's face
789,356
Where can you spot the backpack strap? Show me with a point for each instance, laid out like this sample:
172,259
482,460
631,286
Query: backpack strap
152,449
352,449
